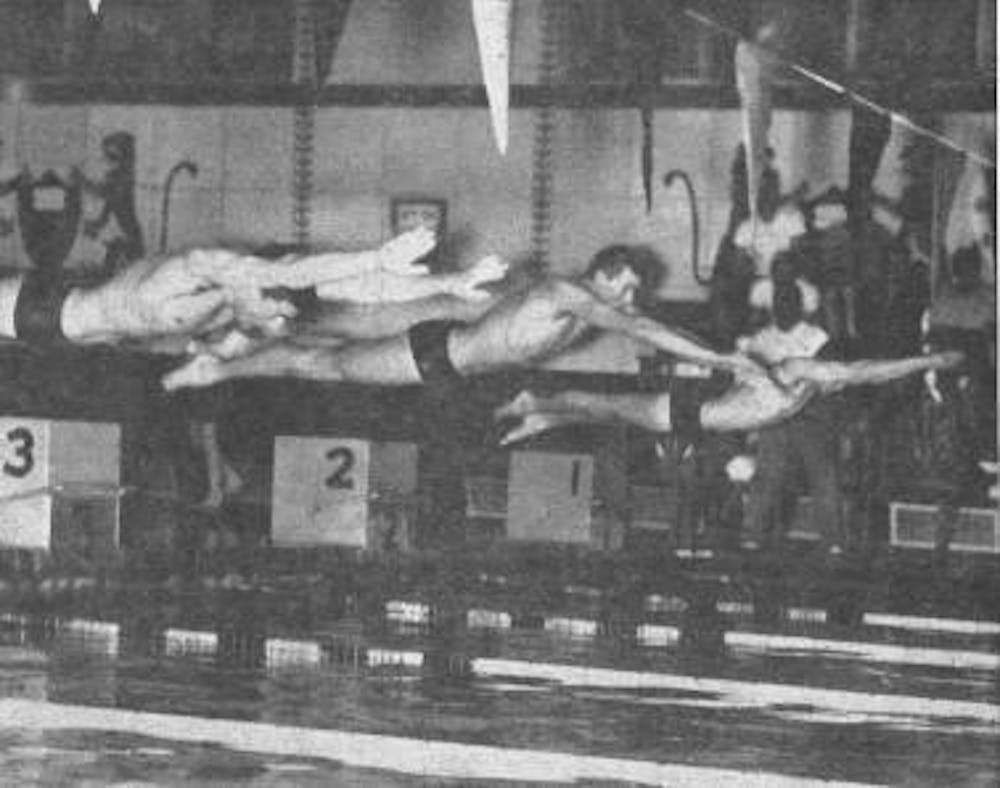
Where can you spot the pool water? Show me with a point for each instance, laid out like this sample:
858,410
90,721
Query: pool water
449,671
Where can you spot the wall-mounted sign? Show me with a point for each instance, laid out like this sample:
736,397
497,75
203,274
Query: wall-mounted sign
408,213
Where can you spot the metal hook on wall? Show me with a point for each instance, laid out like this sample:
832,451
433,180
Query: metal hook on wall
182,166
668,181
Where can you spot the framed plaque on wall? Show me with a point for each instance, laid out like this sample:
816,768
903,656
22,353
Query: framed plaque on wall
408,213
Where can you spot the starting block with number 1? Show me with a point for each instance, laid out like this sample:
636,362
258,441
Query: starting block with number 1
568,497
60,486
343,491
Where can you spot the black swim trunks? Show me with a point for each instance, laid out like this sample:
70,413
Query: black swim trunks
429,345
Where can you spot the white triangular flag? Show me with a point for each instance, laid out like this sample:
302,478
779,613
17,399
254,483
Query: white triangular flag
492,19
95,7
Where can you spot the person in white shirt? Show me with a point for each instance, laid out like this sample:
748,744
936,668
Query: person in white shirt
809,439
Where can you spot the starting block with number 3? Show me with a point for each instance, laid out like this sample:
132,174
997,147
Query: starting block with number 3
343,491
574,498
60,486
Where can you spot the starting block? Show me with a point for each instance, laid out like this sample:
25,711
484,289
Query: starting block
573,498
343,491
60,486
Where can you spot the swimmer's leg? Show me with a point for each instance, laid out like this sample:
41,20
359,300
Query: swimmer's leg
378,321
388,287
398,256
649,411
387,362
532,424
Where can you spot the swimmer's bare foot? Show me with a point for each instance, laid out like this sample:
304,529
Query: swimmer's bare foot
946,359
201,371
523,404
399,255
467,284
254,310
233,344
532,424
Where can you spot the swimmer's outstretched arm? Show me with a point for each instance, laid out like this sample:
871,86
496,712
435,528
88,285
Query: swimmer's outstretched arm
583,304
832,376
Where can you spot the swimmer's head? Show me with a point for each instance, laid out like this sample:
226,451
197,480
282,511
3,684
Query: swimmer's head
624,275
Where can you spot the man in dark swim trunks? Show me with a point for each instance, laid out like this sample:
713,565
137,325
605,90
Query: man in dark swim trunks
522,328
756,399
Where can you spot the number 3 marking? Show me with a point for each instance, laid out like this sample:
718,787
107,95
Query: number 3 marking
26,442
339,479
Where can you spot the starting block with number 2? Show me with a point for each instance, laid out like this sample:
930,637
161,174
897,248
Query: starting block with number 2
343,491
60,486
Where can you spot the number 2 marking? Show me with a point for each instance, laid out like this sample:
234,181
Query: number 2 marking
22,451
339,479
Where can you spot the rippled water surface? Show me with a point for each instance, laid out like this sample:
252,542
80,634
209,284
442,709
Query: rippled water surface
657,676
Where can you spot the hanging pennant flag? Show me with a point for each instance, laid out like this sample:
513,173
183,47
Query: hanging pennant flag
753,81
95,7
647,155
492,19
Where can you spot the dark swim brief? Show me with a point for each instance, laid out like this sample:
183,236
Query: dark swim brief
429,345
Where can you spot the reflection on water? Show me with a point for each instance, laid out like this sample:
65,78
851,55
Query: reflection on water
697,671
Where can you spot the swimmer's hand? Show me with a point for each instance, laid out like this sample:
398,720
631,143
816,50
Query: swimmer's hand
468,284
400,255
244,279
742,365
197,372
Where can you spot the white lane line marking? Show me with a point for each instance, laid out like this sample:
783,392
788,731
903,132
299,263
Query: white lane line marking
422,757
889,620
870,652
750,694
920,623
734,608
282,652
405,612
397,658
657,635
102,637
189,642
582,628
809,614
488,619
